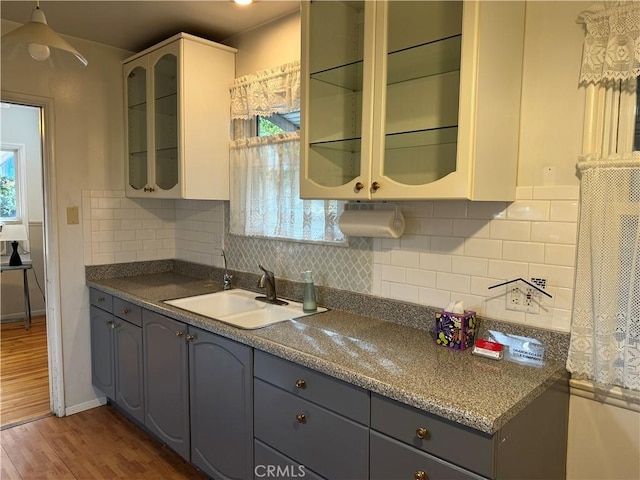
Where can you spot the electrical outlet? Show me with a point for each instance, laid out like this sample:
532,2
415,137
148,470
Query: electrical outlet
521,299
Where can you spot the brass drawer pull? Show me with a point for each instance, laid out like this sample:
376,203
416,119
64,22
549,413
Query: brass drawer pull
191,338
179,333
100,299
422,433
420,475
301,384
301,418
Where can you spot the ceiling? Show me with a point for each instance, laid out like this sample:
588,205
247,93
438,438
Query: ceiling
136,25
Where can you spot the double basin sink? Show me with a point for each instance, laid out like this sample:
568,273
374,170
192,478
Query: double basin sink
240,308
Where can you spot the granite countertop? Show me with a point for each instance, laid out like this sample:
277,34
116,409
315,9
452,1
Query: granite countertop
396,361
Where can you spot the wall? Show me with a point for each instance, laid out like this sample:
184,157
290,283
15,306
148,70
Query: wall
88,154
21,125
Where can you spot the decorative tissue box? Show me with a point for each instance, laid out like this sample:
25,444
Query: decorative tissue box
456,330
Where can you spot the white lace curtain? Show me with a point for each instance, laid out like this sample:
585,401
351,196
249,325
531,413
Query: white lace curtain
612,43
265,171
605,329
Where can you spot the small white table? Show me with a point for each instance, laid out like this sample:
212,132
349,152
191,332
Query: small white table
27,301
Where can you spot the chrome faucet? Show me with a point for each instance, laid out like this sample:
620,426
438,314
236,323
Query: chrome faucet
226,279
268,281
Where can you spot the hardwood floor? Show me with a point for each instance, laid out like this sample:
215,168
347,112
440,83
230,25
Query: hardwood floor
99,443
24,373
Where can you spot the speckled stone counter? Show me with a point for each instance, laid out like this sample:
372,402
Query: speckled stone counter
398,361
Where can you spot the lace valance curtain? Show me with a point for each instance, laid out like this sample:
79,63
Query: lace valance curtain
265,171
267,92
612,43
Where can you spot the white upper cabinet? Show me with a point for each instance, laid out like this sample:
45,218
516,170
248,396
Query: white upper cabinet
410,99
177,106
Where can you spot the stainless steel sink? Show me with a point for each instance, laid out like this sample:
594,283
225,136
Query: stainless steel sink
240,308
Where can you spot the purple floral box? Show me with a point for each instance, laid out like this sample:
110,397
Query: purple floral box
456,330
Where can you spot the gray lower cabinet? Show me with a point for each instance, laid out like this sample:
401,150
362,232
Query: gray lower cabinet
166,380
116,353
221,398
303,415
270,463
392,460
102,369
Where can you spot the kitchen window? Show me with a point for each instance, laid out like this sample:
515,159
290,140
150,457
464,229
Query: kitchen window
12,175
265,163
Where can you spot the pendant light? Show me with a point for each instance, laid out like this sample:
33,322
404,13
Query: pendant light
39,38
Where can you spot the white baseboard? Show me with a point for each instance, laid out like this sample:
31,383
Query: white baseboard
18,317
81,407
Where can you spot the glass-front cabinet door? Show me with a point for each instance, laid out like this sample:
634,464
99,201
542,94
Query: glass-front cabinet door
165,102
338,92
410,100
136,91
416,127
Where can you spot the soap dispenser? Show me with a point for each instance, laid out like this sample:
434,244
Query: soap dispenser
309,303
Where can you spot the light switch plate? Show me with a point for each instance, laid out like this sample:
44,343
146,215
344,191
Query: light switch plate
72,216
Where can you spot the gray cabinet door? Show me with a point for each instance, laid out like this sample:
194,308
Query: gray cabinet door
221,396
166,380
102,371
128,368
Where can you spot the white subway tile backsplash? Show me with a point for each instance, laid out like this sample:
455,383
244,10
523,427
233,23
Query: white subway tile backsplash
483,248
417,209
401,291
508,270
125,256
480,286
524,193
450,245
523,251
560,254
453,282
554,232
417,243
556,276
529,210
123,235
145,235
510,230
403,258
487,210
564,211
450,209
435,261
102,236
421,278
470,266
471,228
393,274
437,226
433,297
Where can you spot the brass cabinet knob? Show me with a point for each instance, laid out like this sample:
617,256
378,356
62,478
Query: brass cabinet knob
149,189
375,186
190,338
125,311
109,322
100,299
359,186
422,433
115,325
179,333
420,475
301,383
301,418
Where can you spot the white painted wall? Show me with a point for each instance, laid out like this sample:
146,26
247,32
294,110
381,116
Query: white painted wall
88,154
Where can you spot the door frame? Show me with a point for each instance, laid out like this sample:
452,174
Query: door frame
51,250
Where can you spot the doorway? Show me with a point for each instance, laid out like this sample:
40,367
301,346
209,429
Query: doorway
34,348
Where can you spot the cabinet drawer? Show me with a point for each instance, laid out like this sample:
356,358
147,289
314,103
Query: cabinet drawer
101,300
461,445
333,446
331,393
392,460
271,463
127,311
